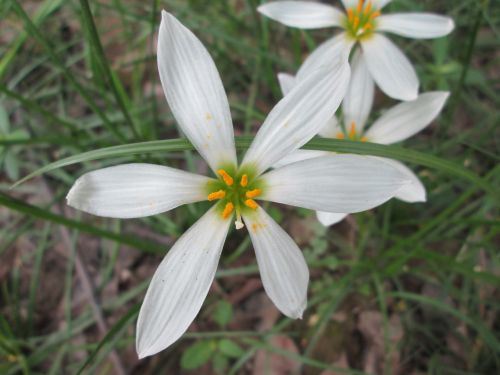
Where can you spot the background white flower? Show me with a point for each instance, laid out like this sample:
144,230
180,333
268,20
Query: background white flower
198,101
395,125
362,24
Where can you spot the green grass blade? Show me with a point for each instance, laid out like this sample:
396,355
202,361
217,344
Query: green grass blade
116,87
33,211
123,322
334,145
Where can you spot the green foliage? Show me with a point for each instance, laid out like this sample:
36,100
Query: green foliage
80,90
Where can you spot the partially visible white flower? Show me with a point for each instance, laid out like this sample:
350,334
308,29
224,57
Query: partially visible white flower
395,125
363,24
198,101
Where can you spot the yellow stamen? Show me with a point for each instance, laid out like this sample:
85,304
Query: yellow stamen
251,203
350,14
253,193
216,195
374,15
340,135
226,177
352,132
228,210
244,180
355,23
360,5
363,139
368,26
368,7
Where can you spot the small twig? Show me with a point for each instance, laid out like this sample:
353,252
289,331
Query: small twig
87,287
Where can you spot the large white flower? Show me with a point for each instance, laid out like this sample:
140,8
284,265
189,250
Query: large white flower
397,124
362,24
198,101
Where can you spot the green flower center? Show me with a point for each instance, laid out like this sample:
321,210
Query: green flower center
236,192
360,21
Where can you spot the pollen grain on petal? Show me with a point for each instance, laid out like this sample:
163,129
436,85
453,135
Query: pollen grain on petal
216,195
340,135
253,193
208,116
244,180
228,210
251,203
226,177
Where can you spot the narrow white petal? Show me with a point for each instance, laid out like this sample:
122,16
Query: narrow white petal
180,284
406,119
337,47
194,91
379,4
331,128
282,266
415,190
299,116
390,68
287,82
416,25
336,183
358,100
329,218
299,155
303,14
135,190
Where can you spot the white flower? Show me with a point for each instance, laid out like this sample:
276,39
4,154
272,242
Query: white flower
397,124
198,101
362,23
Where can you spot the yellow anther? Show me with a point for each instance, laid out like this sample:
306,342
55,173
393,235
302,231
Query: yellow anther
374,15
352,132
368,26
253,193
340,135
363,139
244,180
228,210
368,7
350,14
360,5
216,195
251,203
355,23
226,177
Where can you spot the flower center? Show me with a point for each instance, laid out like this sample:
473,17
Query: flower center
235,192
360,20
352,134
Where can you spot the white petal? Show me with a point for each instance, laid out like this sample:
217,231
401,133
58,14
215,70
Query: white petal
415,190
135,190
299,155
331,128
337,47
303,14
376,4
406,119
286,81
338,183
194,91
379,4
390,68
416,25
299,116
329,218
282,267
180,284
358,100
